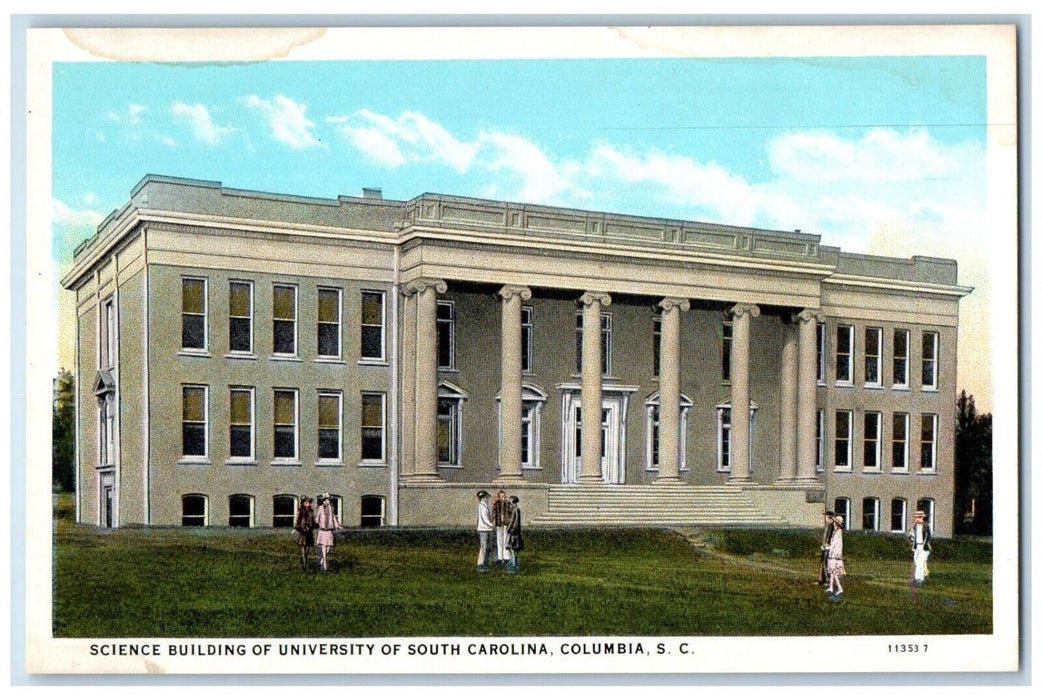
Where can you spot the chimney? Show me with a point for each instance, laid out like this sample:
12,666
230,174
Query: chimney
372,193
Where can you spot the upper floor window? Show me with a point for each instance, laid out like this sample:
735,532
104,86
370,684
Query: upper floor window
656,346
285,425
373,326
873,356
819,463
899,443
900,358
870,440
194,421
328,322
106,429
844,354
605,343
284,319
446,335
843,437
107,356
929,360
527,331
726,339
240,316
329,422
821,352
241,423
373,428
193,313
928,444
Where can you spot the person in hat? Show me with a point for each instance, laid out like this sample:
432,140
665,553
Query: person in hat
485,528
501,519
514,542
835,562
327,524
823,576
919,536
304,526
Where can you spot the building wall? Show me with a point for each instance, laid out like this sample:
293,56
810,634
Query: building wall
130,383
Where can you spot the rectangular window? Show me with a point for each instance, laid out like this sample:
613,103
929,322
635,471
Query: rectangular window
873,356
285,424
240,317
240,510
193,421
373,326
897,515
373,428
329,421
723,421
870,514
193,313
842,507
900,359
871,442
819,463
844,354
107,341
727,337
928,444
656,347
527,434
843,427
821,352
284,319
329,322
193,510
899,443
241,423
605,343
449,431
283,510
655,436
446,335
106,430
929,360
527,338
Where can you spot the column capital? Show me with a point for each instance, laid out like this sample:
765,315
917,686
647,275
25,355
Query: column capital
590,296
421,284
739,310
669,303
808,315
508,291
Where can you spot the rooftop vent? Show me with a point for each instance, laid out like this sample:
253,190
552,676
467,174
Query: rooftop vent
372,193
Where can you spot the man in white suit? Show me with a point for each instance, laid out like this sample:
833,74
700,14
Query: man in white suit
919,536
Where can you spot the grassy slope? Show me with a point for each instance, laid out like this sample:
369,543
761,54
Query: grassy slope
400,583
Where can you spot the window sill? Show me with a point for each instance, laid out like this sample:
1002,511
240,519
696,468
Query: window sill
323,360
844,384
285,463
374,362
533,468
900,472
450,466
842,470
872,470
900,387
329,463
241,462
371,465
240,356
451,370
929,390
284,358
186,352
194,462
874,387
927,472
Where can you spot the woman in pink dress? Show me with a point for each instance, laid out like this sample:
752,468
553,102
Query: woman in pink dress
326,523
834,563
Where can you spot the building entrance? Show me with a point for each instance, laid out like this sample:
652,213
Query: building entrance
611,468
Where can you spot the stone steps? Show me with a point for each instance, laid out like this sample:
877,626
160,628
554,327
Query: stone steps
652,504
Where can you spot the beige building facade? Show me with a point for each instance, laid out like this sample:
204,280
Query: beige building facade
236,349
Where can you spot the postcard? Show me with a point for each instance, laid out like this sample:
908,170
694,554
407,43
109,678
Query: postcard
599,349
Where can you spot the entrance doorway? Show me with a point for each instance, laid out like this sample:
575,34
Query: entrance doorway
611,421
107,500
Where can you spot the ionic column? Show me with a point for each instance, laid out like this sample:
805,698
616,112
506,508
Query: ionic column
787,467
590,394
426,409
510,392
807,399
669,390
742,314
408,403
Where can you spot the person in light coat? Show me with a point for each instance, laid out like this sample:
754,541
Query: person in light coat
501,519
835,562
919,536
327,524
485,528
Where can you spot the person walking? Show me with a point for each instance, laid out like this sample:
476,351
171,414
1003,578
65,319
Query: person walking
501,517
327,523
835,562
514,542
823,576
304,526
919,536
485,528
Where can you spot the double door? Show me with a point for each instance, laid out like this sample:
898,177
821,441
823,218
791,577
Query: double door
610,458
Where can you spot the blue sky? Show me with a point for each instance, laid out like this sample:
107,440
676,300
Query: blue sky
877,154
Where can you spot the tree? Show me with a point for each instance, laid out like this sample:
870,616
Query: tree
63,432
973,475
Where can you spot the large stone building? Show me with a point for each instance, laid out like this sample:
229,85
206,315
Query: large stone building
237,348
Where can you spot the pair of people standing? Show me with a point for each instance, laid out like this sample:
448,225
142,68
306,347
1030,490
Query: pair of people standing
830,568
316,528
503,518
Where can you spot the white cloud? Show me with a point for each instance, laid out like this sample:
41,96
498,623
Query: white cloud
131,115
287,121
412,137
198,118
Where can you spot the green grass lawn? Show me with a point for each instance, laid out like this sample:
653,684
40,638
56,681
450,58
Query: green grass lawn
217,582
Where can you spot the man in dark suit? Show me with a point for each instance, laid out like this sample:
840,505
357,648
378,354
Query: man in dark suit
826,540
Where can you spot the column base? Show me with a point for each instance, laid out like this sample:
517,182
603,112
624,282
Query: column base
785,481
808,481
591,479
739,480
667,480
422,479
509,479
